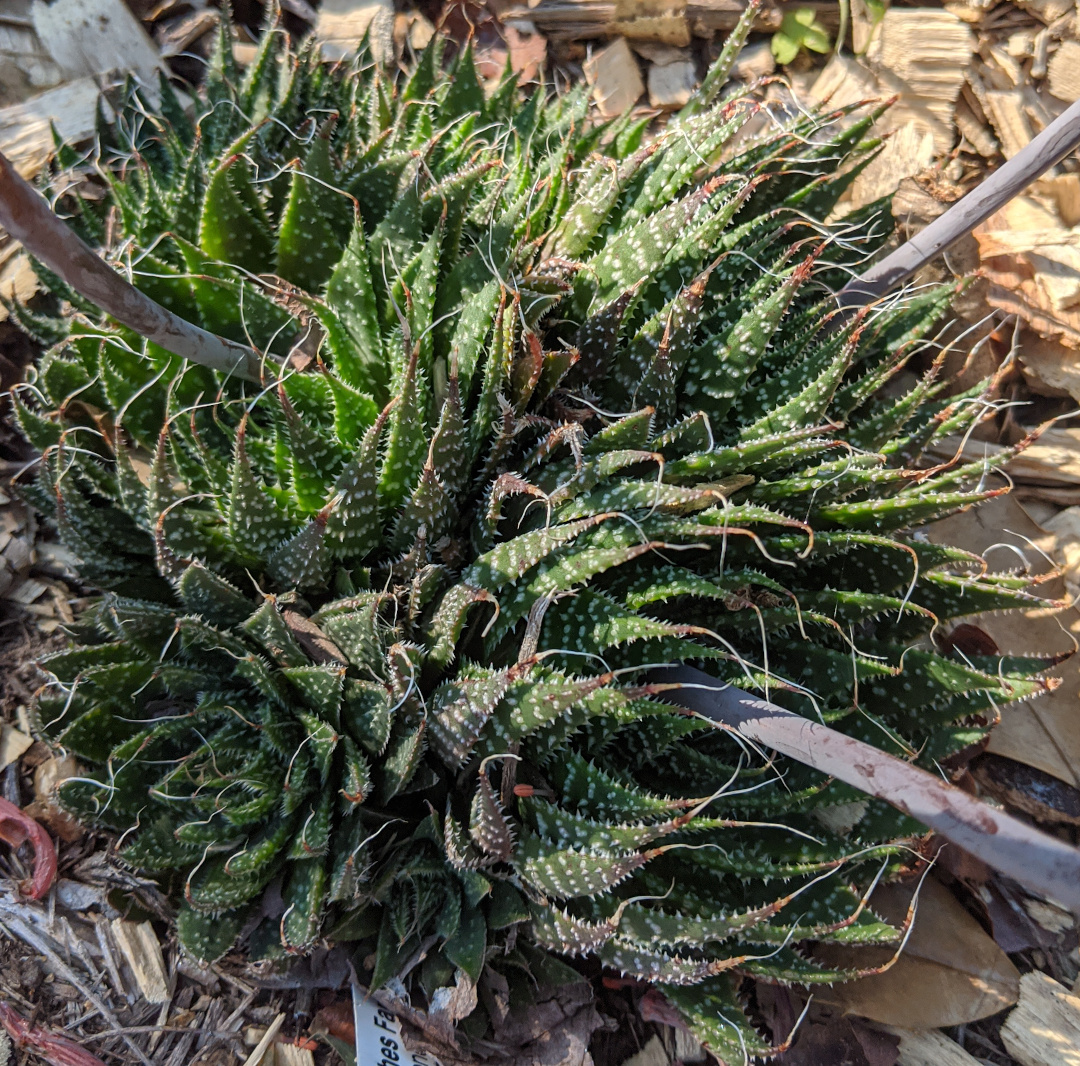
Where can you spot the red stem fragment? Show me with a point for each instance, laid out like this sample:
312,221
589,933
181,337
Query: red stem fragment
17,829
58,1050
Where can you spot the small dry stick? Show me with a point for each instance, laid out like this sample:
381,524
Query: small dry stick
1052,145
1037,860
30,936
28,218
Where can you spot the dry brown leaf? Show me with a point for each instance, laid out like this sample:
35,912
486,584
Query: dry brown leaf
950,973
827,1036
1045,732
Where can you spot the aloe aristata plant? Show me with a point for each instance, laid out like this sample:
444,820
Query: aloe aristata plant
543,405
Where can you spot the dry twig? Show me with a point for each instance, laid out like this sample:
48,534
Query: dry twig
1053,144
29,219
1038,861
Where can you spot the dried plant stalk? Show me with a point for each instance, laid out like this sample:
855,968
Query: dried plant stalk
28,218
1035,859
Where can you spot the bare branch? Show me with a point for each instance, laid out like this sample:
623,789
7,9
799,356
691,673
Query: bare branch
1049,147
30,220
1037,860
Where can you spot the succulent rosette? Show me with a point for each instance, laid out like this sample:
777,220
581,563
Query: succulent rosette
547,402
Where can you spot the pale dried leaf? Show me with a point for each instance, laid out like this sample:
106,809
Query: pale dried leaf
450,1004
285,1054
44,808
